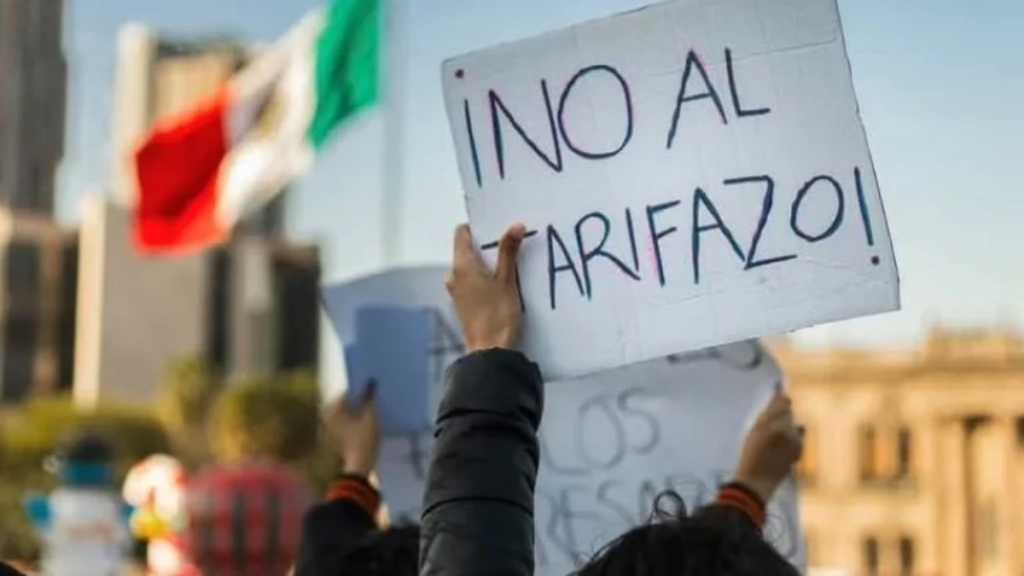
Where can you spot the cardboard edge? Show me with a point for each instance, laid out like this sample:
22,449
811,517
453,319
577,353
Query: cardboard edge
871,156
475,53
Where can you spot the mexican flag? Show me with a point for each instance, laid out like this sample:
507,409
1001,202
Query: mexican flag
201,172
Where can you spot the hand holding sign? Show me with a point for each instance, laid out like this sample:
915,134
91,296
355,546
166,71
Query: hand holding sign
772,447
354,432
487,302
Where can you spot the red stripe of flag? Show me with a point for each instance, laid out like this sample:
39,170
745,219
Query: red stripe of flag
177,170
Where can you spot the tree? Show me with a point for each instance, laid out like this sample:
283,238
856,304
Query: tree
188,393
261,419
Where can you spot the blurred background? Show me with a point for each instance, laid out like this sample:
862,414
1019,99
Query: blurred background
915,454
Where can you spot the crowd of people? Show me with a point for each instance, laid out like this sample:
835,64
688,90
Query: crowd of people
477,513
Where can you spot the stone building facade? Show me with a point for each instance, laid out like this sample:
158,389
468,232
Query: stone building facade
914,459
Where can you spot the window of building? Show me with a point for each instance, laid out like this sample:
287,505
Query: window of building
807,468
34,201
19,354
870,457
906,556
25,194
871,555
24,270
904,453
298,332
68,311
886,454
219,313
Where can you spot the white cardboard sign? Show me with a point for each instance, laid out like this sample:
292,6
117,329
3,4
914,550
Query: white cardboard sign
691,174
612,442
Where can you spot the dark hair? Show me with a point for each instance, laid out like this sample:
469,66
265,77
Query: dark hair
714,541
393,551
88,448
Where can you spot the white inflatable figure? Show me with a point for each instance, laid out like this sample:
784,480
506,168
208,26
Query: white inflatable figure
155,488
83,524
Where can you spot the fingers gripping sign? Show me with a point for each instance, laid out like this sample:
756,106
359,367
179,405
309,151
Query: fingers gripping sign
353,427
773,445
487,302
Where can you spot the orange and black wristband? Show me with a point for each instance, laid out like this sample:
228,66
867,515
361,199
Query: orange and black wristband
354,489
739,497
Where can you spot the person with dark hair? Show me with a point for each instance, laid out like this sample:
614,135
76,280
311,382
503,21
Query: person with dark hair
723,539
89,458
478,507
341,535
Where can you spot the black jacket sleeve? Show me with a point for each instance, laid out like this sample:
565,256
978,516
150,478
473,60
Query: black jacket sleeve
329,531
478,506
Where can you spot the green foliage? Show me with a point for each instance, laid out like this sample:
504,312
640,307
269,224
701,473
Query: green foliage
35,432
187,395
189,391
17,540
258,419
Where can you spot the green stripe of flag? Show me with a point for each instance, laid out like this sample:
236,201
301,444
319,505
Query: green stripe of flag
347,65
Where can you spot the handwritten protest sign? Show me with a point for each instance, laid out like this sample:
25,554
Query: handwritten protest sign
398,329
611,442
690,164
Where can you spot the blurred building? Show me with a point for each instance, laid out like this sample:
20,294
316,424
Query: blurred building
37,261
914,460
249,308
33,99
38,281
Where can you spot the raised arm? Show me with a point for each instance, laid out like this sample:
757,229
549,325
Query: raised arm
334,527
478,507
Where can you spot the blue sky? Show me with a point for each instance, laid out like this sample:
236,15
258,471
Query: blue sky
940,85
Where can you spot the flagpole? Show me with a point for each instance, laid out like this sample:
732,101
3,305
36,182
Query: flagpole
395,38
